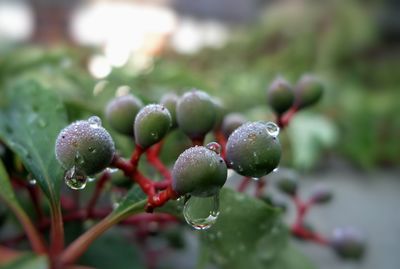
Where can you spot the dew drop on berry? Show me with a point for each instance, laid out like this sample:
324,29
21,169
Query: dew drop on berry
201,212
94,121
272,129
75,179
214,146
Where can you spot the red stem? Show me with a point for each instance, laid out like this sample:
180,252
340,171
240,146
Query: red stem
244,184
283,120
97,191
261,183
220,137
154,160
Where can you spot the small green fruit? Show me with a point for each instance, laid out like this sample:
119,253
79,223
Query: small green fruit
121,112
321,195
288,185
308,91
199,171
170,100
231,122
253,149
195,113
348,243
280,95
220,112
85,145
152,123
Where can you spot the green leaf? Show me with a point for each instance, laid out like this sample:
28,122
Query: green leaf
6,191
247,234
28,261
309,135
112,251
30,120
290,258
128,205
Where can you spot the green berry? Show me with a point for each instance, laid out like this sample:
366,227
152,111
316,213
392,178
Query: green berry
199,171
152,123
121,112
348,243
288,185
308,91
253,149
220,113
85,145
170,100
231,122
280,95
321,195
195,113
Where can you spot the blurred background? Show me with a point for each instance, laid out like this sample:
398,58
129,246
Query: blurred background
91,50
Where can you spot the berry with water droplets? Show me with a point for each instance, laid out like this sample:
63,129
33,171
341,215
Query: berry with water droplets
280,95
199,171
252,151
86,145
348,243
121,112
231,122
169,100
195,113
152,123
308,91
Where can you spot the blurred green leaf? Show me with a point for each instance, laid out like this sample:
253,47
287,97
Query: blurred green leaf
30,120
290,258
112,251
28,261
309,135
6,191
247,234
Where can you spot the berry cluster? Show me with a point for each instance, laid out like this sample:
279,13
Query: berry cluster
85,147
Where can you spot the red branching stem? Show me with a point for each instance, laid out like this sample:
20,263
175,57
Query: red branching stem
261,183
244,184
298,228
197,141
154,160
305,234
155,199
220,137
97,192
283,120
137,153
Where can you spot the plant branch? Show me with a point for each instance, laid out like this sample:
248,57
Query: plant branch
79,246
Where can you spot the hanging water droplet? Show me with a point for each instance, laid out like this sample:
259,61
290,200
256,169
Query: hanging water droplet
94,121
214,146
201,212
272,129
75,179
255,178
91,179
